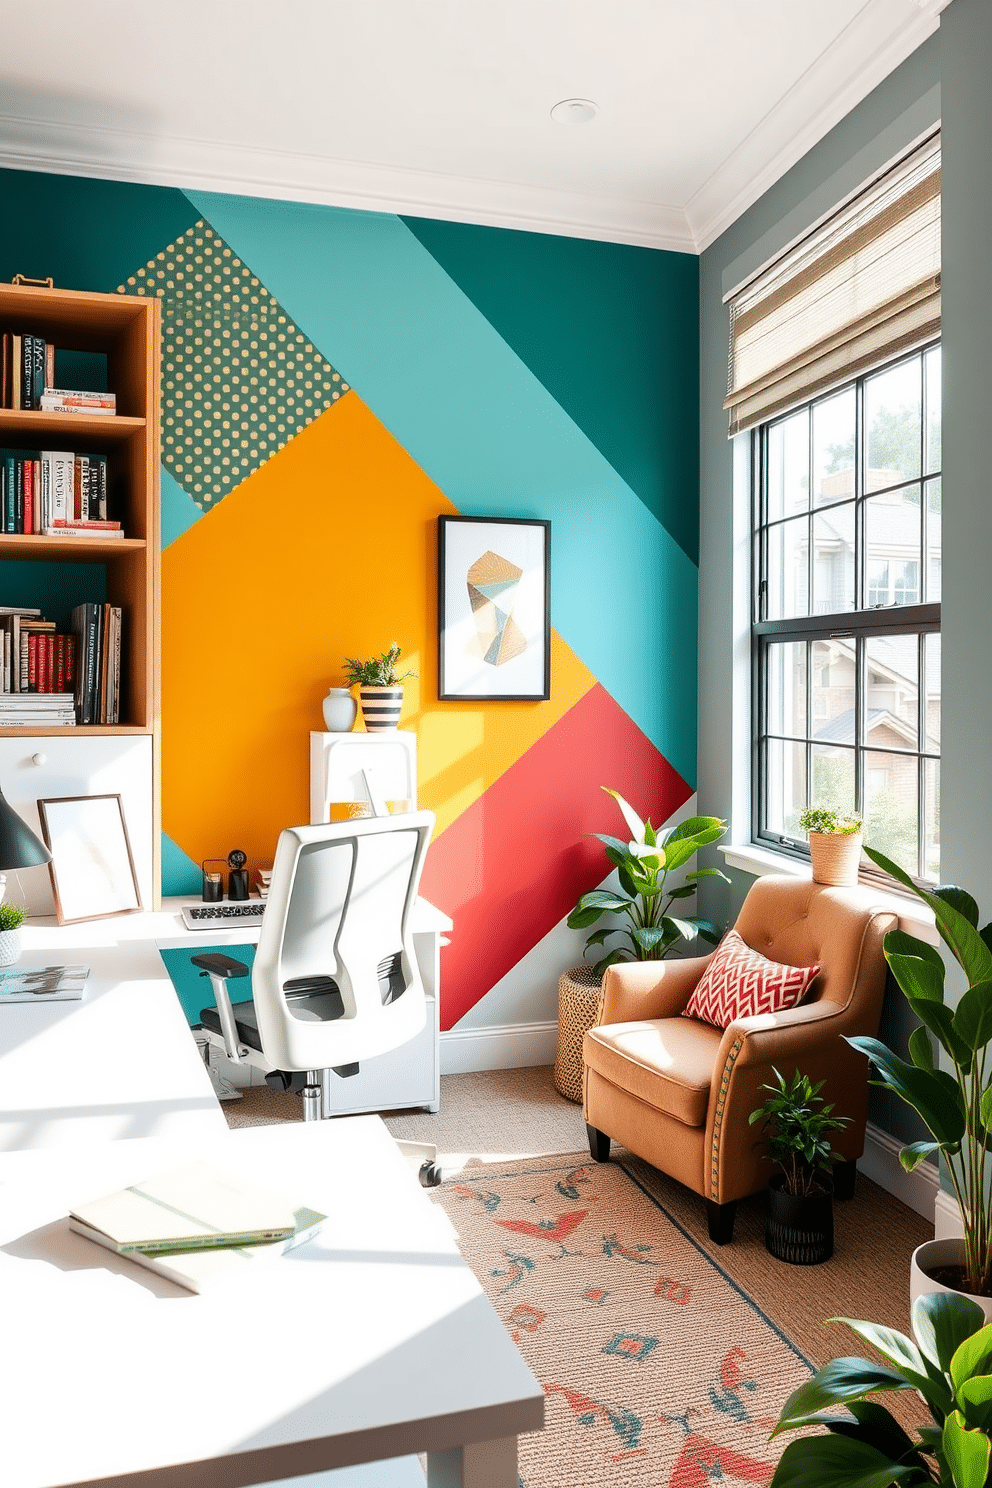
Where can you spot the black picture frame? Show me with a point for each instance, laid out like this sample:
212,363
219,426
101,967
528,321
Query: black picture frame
490,651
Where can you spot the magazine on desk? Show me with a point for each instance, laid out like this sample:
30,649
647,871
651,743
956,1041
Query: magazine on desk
42,983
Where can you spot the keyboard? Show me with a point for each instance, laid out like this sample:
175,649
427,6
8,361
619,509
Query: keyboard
216,916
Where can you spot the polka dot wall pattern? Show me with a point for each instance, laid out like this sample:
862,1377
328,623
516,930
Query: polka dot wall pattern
239,379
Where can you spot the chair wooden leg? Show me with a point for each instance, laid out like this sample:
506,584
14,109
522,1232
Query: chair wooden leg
599,1144
844,1175
720,1218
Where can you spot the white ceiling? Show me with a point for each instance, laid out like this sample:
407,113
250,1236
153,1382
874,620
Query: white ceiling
442,108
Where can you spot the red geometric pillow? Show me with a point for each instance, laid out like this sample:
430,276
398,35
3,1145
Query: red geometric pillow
739,982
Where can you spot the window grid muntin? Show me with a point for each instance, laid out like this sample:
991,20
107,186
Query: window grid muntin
919,619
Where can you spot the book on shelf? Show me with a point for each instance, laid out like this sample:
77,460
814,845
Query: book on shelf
54,488
64,400
89,530
98,628
27,379
37,664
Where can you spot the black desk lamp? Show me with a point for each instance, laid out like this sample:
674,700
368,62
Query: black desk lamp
19,847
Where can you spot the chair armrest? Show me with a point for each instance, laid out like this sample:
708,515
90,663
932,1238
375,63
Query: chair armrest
218,968
634,990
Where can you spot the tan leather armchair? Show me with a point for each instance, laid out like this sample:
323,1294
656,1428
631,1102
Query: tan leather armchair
678,1092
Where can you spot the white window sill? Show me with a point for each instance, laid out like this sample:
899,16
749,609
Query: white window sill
914,916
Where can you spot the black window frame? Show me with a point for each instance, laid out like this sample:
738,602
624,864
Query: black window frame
857,624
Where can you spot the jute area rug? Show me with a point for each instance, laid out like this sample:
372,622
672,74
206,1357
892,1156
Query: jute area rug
657,1368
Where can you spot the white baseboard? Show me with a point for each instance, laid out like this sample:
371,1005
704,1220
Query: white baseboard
880,1163
510,1046
947,1217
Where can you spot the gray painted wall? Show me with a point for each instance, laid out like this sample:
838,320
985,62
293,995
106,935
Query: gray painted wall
897,113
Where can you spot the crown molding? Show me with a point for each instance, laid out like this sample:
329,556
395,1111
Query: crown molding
866,52
204,165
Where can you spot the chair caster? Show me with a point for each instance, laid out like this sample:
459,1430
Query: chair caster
429,1174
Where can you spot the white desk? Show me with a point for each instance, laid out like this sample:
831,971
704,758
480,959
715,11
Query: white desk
371,1342
122,1062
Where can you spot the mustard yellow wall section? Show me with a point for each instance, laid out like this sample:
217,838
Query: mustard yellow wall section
327,550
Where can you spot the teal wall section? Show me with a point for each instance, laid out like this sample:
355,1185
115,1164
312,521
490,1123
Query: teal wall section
471,413
597,324
85,234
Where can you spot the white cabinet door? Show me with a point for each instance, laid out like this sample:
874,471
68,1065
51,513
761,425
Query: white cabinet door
34,769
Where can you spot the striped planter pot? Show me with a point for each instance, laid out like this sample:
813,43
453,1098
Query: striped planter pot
381,708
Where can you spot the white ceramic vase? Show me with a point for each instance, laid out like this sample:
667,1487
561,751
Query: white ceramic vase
939,1253
340,711
10,947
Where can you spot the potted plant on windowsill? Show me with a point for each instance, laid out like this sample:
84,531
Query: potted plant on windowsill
380,689
796,1123
953,1102
834,844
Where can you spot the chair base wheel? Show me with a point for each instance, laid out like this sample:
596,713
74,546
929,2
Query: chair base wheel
599,1144
720,1219
429,1175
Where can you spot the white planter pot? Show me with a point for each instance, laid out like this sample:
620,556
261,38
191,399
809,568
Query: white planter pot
340,711
939,1253
10,947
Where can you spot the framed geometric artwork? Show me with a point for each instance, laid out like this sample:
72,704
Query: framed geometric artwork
494,609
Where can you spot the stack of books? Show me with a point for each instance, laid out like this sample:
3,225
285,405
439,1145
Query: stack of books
36,663
264,879
195,1224
27,380
57,493
38,710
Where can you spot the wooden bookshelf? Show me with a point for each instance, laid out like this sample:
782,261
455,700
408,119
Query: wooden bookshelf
125,328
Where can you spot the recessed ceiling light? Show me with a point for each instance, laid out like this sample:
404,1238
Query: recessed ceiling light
574,111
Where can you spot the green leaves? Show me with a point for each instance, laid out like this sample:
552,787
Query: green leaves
947,1363
643,864
933,1094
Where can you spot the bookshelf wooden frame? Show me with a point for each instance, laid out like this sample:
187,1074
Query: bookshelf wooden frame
127,329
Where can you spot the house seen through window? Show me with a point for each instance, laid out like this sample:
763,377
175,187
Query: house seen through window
847,611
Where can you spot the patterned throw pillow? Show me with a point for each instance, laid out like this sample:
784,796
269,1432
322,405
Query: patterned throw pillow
739,982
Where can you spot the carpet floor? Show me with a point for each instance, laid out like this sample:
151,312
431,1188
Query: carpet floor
657,1368
491,1120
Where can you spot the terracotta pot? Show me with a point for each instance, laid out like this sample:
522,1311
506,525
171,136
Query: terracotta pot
836,857
800,1229
934,1254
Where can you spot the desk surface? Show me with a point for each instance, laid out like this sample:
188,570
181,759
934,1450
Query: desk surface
373,1341
120,1063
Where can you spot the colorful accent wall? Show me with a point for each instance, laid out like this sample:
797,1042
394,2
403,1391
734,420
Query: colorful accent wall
333,382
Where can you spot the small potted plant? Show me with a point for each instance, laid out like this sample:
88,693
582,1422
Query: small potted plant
380,689
797,1122
834,844
12,917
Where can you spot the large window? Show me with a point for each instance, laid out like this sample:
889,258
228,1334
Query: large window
847,611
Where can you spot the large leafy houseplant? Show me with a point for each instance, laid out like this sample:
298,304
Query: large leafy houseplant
796,1125
948,1361
644,899
954,1103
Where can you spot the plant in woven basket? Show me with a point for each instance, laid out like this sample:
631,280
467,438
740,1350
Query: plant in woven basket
378,671
644,899
796,1126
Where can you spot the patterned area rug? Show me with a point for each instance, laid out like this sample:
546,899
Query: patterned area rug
657,1368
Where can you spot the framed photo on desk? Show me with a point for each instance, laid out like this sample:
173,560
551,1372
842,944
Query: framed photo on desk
92,868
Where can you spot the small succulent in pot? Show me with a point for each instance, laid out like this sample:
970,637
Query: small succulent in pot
12,917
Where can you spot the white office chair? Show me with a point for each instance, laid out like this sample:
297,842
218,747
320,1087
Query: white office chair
335,979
